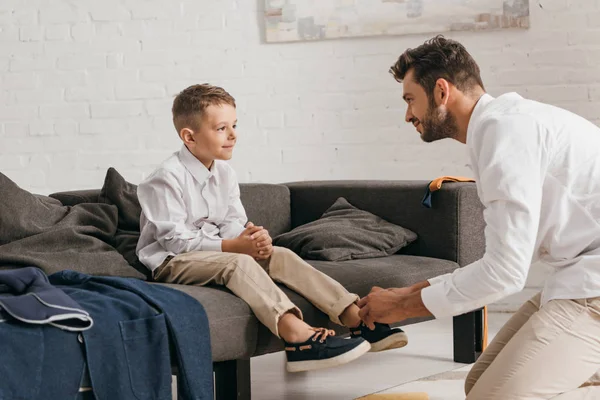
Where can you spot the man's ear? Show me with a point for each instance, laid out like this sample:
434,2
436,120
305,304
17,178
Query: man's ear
187,135
441,92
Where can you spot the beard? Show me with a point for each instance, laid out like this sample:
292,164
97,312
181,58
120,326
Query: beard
438,124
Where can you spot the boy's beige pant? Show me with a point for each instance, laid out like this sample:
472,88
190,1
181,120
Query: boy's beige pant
551,352
253,282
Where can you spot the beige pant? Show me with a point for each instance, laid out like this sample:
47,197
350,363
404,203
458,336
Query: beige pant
253,282
551,352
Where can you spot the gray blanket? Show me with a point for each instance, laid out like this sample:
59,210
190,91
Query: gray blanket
39,231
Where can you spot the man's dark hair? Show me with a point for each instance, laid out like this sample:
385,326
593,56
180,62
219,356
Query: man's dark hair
439,58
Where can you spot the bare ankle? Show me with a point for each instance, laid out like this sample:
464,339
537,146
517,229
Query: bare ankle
292,329
350,317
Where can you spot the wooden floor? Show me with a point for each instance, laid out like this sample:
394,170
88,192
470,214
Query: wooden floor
425,365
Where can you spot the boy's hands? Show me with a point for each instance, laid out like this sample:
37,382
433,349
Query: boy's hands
262,241
243,244
254,241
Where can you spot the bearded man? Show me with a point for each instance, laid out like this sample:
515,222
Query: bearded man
537,171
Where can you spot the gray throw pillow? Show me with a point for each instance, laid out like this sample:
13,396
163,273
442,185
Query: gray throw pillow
345,232
116,190
122,194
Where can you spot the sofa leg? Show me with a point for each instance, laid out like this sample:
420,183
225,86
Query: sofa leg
468,336
232,380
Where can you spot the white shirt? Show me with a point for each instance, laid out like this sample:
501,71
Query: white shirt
537,169
186,207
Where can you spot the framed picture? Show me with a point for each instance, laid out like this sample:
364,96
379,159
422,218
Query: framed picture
301,20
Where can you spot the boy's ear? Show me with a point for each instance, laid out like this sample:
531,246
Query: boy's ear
187,135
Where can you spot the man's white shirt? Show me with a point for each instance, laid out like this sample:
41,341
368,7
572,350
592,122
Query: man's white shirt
537,171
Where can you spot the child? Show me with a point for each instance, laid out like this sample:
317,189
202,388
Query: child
194,231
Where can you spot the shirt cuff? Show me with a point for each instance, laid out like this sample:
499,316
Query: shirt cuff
435,300
438,279
210,244
237,229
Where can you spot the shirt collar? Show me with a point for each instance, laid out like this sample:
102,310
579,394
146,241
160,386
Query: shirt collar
480,107
196,168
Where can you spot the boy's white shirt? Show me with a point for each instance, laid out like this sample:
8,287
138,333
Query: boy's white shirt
186,207
537,170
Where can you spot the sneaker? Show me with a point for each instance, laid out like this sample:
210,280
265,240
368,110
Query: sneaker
322,350
383,337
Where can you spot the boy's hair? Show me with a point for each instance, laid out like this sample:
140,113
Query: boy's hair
439,58
189,105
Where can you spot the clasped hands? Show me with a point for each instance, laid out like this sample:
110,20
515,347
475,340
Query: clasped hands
253,241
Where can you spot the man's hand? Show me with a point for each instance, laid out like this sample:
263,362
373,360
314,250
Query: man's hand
405,291
388,306
263,242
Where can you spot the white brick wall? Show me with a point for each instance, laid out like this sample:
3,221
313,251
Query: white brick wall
86,85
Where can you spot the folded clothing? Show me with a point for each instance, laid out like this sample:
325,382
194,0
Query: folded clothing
27,295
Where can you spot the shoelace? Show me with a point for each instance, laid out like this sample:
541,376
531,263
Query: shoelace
323,333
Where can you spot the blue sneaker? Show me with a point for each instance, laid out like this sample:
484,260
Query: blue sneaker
322,350
383,337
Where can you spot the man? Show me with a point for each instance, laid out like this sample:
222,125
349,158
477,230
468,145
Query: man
537,169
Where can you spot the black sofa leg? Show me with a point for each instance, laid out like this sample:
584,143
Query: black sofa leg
232,380
468,336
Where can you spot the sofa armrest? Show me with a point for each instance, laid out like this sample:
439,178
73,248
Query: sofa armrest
453,229
74,197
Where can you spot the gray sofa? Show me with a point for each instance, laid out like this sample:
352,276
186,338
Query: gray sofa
450,235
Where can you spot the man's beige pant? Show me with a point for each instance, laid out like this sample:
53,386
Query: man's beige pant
551,352
253,282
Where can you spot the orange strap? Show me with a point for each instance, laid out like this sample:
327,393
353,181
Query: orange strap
485,329
436,184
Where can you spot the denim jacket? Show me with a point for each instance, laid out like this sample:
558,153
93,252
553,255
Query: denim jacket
138,328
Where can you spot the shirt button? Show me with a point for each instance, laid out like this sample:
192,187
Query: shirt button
80,338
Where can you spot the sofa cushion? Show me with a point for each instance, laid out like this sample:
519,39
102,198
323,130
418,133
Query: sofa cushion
233,326
345,232
359,276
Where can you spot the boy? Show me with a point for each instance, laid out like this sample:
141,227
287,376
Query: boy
194,231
